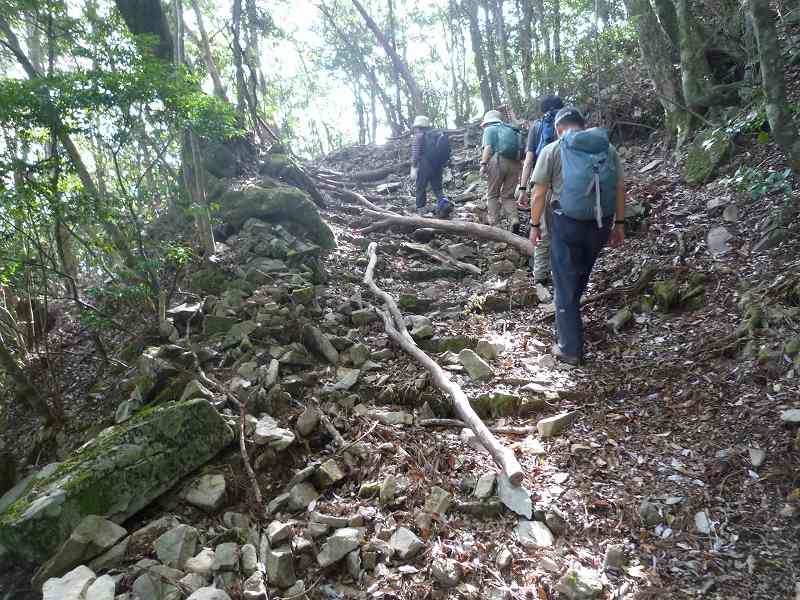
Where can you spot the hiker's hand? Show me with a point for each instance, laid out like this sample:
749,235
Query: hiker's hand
482,171
617,236
535,235
414,173
520,196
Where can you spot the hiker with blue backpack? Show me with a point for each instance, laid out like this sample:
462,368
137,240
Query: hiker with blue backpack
540,134
500,162
430,153
579,181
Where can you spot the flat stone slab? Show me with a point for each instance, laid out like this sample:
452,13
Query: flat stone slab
113,476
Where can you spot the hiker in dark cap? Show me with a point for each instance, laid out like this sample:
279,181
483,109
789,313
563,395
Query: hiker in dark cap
579,181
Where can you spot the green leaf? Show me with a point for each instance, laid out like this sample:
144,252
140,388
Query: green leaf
763,137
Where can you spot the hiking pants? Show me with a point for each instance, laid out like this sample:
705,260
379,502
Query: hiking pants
503,176
540,261
574,247
427,174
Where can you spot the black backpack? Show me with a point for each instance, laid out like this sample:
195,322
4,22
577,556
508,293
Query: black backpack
436,147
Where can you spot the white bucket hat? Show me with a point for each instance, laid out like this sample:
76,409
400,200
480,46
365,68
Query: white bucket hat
491,117
421,121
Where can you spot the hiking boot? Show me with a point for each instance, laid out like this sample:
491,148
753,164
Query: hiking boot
423,211
545,281
565,358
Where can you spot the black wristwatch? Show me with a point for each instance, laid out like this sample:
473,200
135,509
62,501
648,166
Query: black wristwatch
536,225
619,222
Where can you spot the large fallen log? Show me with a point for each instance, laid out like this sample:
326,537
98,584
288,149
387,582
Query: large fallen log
376,174
475,230
396,329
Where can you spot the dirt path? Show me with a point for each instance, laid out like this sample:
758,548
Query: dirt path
665,458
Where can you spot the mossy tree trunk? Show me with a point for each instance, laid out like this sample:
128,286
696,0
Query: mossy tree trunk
772,69
653,42
491,53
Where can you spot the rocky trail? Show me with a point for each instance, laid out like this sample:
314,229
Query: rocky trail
667,467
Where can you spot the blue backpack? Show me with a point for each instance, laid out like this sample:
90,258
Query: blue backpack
590,178
547,131
436,147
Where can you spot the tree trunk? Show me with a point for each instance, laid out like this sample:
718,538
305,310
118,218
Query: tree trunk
509,76
652,42
471,9
668,18
491,55
557,32
205,49
398,96
27,392
147,21
393,111
544,33
397,62
526,47
772,78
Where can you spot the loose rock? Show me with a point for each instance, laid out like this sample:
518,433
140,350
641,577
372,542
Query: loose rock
404,544
280,567
176,546
477,368
206,492
341,543
534,534
552,426
446,572
580,584
516,498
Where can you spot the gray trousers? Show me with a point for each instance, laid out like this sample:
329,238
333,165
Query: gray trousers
540,261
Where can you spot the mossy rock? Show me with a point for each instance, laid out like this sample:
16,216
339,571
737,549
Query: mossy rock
449,343
792,347
220,161
209,280
276,204
115,475
708,151
666,293
493,405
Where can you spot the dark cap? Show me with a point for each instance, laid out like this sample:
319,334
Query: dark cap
569,115
551,103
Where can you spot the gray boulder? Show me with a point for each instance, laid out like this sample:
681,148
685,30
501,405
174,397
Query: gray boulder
72,586
91,537
176,546
114,476
280,567
580,584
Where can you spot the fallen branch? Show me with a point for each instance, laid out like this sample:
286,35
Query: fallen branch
251,474
456,424
475,230
442,258
396,329
634,289
375,175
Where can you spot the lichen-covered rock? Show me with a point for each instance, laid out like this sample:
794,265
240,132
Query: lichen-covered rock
114,475
278,204
709,150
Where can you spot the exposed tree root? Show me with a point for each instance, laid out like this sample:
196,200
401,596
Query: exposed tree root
475,230
396,328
